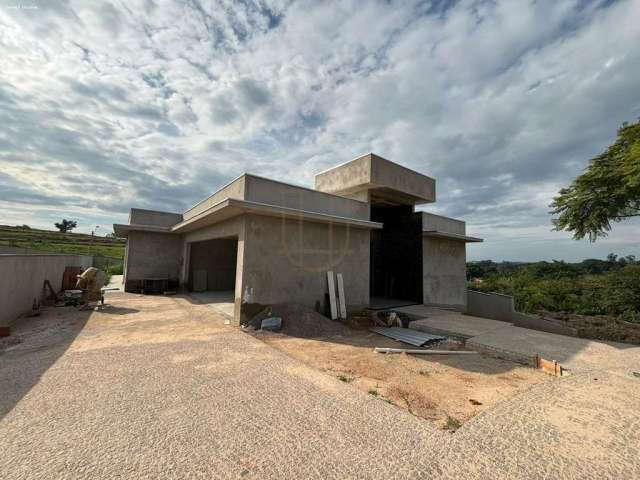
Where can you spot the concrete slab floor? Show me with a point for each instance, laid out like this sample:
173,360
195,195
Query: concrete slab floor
449,322
220,301
575,354
116,282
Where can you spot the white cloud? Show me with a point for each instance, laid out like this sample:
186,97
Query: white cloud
155,104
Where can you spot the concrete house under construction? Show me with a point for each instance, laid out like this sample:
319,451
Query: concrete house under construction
271,242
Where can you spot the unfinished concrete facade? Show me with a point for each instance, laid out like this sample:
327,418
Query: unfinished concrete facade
273,242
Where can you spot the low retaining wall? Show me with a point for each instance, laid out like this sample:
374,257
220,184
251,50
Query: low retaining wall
500,307
490,305
542,324
22,278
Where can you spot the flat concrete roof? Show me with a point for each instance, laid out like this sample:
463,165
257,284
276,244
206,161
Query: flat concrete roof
385,181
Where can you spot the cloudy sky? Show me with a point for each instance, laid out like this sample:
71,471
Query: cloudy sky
105,106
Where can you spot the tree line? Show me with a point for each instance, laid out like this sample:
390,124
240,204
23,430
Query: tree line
591,287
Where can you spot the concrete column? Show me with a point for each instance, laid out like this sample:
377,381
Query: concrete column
239,289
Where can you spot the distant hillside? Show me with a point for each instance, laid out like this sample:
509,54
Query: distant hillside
56,242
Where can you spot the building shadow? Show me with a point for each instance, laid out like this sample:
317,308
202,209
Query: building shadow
35,345
113,310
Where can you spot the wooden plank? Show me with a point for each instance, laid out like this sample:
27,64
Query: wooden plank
332,295
342,302
549,366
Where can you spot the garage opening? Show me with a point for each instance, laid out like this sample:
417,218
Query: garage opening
396,257
212,272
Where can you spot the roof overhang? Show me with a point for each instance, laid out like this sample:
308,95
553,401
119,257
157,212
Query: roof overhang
232,207
450,236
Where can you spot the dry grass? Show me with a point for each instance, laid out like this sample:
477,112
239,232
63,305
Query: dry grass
448,390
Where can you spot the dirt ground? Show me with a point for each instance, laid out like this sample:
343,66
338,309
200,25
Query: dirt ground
448,390
597,327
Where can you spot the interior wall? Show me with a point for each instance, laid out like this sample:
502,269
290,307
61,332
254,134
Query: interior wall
396,253
218,257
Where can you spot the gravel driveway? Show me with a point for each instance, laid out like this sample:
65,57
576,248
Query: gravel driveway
157,387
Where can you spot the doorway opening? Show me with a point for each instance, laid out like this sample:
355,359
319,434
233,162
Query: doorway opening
212,273
396,257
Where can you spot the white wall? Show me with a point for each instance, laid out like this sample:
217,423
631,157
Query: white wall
22,278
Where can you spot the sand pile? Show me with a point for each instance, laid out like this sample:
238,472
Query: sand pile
299,321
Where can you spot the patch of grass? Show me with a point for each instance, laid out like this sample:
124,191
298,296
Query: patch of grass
373,391
424,373
345,378
56,242
452,424
389,401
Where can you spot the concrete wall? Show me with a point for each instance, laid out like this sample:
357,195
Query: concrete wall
271,192
139,216
391,175
372,171
490,305
346,177
544,325
235,189
152,255
23,277
218,258
500,307
444,280
431,221
287,261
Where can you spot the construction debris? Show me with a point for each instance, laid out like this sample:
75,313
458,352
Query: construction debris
271,323
298,321
412,337
423,352
390,318
549,366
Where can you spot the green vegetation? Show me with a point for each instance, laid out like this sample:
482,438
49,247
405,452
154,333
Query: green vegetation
608,190
452,424
115,269
592,287
56,242
66,225
345,378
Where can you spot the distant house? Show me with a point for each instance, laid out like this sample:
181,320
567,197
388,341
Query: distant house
270,242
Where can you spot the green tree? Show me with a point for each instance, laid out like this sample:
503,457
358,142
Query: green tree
608,191
66,225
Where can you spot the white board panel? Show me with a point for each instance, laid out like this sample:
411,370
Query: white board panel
332,295
342,304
